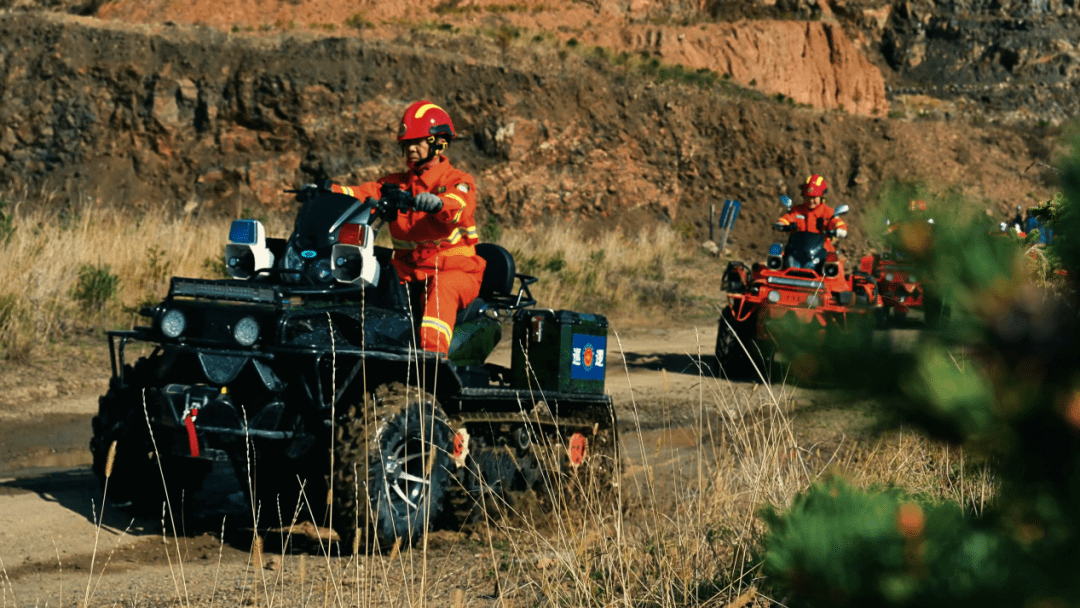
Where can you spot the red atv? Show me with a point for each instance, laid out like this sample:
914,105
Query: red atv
800,280
901,290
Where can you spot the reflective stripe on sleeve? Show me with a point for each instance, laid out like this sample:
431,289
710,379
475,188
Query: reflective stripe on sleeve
457,216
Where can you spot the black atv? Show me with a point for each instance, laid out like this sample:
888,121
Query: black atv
304,373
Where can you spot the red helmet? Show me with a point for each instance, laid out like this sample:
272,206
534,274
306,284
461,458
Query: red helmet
424,119
815,186
916,205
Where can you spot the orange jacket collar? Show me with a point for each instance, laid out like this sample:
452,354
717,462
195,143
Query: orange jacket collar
432,171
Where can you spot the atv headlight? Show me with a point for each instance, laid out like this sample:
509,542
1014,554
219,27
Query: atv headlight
322,271
774,296
774,262
889,276
173,323
246,331
813,301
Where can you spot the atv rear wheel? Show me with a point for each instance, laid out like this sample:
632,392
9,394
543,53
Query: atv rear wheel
570,470
391,467
579,472
135,479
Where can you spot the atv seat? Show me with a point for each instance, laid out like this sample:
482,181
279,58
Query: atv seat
498,280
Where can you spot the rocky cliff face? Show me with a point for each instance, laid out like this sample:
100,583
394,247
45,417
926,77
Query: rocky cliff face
1013,62
1008,61
812,63
200,120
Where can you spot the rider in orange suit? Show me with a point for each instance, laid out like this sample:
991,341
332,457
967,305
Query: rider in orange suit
435,241
813,215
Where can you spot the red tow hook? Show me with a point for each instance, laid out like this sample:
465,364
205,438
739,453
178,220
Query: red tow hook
193,440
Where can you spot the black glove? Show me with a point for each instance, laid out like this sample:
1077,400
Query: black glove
308,192
427,202
781,227
324,185
398,198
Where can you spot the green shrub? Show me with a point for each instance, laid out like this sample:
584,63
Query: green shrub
357,21
491,231
95,287
160,267
215,268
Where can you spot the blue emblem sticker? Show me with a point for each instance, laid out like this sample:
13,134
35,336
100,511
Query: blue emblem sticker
308,253
588,357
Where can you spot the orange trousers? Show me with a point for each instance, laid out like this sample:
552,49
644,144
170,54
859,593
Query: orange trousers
445,294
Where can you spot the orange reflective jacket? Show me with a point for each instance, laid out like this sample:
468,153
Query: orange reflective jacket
820,219
424,242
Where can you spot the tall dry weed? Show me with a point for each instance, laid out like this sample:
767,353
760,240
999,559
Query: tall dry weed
48,247
688,534
614,272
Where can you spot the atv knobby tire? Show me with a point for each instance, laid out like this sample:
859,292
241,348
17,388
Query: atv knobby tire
578,473
591,484
135,479
391,467
733,340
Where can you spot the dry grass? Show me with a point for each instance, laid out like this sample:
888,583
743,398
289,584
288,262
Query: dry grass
620,274
49,248
632,276
683,530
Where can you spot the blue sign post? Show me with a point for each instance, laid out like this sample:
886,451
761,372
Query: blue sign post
728,215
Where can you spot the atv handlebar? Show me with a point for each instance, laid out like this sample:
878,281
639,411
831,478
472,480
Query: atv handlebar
793,228
392,198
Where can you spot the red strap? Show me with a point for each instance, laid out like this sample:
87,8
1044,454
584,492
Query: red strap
193,440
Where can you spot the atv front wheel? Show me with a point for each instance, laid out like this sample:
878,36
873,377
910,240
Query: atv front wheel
391,467
734,340
140,470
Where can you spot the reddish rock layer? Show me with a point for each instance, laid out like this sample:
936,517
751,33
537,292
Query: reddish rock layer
812,62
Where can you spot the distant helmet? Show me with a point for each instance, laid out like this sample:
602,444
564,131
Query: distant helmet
424,119
815,186
916,205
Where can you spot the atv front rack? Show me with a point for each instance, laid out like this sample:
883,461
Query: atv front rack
251,292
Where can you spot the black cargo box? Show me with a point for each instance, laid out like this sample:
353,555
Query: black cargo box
560,350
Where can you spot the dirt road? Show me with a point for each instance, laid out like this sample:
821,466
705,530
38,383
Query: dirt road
51,503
